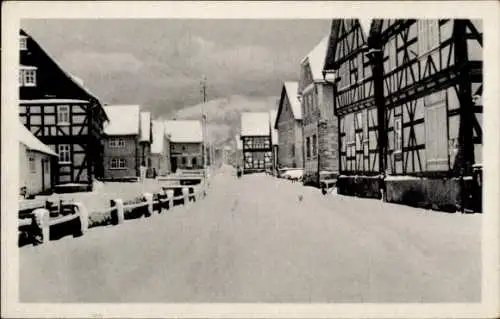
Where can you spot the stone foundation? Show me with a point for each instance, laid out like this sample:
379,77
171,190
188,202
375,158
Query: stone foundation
361,186
450,194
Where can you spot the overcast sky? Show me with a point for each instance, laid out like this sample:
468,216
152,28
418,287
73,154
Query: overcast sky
159,63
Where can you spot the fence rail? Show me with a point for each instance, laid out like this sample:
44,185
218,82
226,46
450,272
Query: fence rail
37,217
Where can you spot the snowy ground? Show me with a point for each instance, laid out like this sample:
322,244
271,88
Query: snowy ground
260,239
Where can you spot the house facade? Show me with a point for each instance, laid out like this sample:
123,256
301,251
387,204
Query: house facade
274,139
160,150
423,115
256,142
62,113
319,122
122,148
35,163
186,144
289,126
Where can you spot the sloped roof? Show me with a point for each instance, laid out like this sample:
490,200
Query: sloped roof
274,132
158,128
255,124
123,119
291,89
32,142
145,128
316,58
184,131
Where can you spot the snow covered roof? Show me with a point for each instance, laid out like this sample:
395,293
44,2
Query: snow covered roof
158,128
145,128
255,124
316,59
274,132
32,142
291,89
52,101
123,119
184,131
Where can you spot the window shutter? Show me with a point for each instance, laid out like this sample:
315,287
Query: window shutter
436,143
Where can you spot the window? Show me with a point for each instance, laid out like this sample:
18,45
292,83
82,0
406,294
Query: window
116,142
32,165
64,153
184,160
27,76
428,35
398,134
194,162
63,114
314,145
308,148
436,137
23,43
46,166
118,163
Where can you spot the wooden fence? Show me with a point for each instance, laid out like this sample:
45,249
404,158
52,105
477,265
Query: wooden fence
38,219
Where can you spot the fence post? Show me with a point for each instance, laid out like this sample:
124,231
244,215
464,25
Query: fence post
84,217
42,217
185,194
170,198
148,197
117,211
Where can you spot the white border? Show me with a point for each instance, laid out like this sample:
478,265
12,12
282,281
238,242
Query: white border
13,11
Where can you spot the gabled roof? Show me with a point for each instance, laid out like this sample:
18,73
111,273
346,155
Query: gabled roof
123,119
32,142
273,115
289,90
145,127
73,79
158,128
255,124
184,131
316,59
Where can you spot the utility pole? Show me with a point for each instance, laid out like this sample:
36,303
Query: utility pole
204,119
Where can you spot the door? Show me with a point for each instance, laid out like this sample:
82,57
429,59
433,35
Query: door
173,164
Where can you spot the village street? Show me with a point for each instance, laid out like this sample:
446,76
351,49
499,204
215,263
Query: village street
255,240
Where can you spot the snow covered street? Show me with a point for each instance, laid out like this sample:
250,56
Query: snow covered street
261,239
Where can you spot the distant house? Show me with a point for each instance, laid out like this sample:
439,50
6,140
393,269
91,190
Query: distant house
186,144
62,113
35,162
123,151
289,126
160,150
256,140
318,119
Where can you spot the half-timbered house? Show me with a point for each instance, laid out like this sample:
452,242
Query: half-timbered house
60,111
355,107
426,98
318,118
256,139
186,144
289,125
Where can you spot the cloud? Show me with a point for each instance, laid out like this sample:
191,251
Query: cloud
114,62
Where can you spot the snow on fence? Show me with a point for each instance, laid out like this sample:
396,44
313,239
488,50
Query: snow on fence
37,219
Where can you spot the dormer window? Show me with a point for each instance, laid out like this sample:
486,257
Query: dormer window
27,75
23,43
